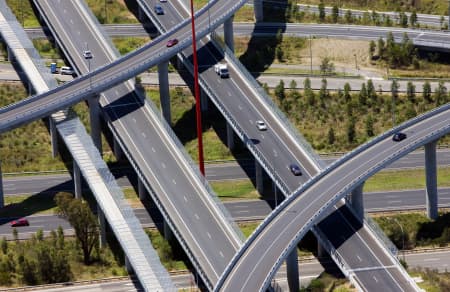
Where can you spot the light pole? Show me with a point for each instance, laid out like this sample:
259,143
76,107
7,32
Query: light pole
356,62
197,94
310,54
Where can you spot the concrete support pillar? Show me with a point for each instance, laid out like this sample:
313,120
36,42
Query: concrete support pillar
258,9
431,179
180,64
30,87
230,137
357,201
292,271
117,150
164,96
203,101
94,115
259,177
2,198
77,180
321,251
53,137
128,266
141,14
10,54
142,191
102,225
228,33
168,234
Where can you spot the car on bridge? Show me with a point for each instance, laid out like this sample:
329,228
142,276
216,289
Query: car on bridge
87,54
171,43
159,10
261,125
399,136
295,169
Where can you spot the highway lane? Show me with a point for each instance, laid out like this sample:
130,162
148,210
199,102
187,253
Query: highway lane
206,235
299,213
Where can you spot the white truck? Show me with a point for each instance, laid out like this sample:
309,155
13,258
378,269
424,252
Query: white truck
222,70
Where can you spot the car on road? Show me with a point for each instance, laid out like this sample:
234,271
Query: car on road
159,10
66,70
163,1
295,169
261,125
171,43
87,54
399,136
20,222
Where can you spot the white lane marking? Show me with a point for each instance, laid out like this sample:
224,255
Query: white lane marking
174,182
430,260
229,93
209,235
163,165
243,211
376,280
394,202
134,120
359,258
196,216
143,135
275,153
185,199
240,107
153,149
221,254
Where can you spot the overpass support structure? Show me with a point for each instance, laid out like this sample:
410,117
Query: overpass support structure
76,177
108,194
228,33
94,118
164,95
258,9
431,180
357,202
2,194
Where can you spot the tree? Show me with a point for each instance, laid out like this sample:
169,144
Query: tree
347,90
331,136
387,21
351,131
321,11
309,93
279,53
411,91
85,224
372,47
426,92
369,126
4,245
413,18
348,16
403,19
381,48
335,14
363,95
280,92
326,66
440,95
371,92
323,92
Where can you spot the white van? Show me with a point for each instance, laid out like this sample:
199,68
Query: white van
65,70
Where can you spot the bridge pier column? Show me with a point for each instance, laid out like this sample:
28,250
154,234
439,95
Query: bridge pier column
203,101
321,251
431,180
259,177
168,234
292,270
258,10
228,33
142,191
53,136
164,96
77,180
10,54
118,153
94,115
128,266
102,225
2,194
230,137
357,201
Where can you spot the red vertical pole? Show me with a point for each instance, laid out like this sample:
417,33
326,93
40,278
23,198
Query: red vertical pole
197,96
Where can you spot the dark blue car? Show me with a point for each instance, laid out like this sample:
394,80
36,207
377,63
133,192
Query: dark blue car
159,10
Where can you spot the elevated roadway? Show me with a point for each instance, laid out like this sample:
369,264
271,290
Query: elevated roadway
185,200
289,222
110,198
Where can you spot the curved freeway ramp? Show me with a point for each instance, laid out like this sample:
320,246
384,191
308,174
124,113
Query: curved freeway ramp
261,255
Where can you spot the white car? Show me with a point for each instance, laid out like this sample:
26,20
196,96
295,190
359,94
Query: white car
261,125
87,54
